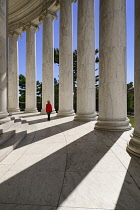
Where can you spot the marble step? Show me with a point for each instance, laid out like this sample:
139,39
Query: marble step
5,136
23,121
15,118
16,126
13,142
5,126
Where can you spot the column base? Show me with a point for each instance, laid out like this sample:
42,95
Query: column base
133,146
13,110
31,110
66,113
43,111
85,117
113,125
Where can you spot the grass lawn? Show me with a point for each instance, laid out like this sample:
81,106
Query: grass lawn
131,121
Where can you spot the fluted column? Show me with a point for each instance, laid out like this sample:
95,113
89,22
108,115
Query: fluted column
112,67
3,61
65,60
134,144
48,63
31,69
86,62
13,81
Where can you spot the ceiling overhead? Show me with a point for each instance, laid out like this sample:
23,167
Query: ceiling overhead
22,12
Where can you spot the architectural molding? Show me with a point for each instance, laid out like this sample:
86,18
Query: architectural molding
12,33
29,25
48,13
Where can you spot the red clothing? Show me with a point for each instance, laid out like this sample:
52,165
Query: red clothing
48,107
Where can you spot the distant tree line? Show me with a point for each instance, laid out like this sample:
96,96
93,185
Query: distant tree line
22,87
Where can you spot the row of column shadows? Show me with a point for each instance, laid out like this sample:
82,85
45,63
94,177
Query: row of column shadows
50,181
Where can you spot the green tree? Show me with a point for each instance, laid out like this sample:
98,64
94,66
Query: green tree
75,79
39,95
56,55
130,98
97,80
56,94
22,90
22,87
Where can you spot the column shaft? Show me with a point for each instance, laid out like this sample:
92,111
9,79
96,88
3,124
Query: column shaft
134,144
31,70
65,60
112,67
86,62
13,81
3,61
48,63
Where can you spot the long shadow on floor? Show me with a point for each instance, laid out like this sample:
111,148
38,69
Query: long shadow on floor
50,180
129,195
50,177
128,190
43,120
47,132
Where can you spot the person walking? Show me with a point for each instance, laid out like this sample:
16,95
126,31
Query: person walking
48,109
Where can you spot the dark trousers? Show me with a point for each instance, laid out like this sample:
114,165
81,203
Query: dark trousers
48,113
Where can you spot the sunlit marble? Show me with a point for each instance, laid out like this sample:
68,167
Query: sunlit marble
65,60
48,63
64,164
3,62
31,69
13,80
85,62
112,67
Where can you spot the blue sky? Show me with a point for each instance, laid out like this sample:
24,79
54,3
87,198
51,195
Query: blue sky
130,42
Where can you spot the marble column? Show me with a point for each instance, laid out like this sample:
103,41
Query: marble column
48,63
112,67
134,143
86,62
13,80
3,61
65,60
31,69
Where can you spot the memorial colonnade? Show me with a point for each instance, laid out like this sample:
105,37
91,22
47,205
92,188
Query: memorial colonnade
112,69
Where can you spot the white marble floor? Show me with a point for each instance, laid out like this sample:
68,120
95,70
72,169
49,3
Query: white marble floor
67,165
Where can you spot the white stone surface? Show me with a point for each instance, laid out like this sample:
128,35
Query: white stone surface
3,61
85,169
48,63
112,67
31,70
65,60
13,71
85,62
134,144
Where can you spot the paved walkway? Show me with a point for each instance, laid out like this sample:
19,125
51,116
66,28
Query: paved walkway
67,165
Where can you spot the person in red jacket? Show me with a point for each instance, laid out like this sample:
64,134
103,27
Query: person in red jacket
48,109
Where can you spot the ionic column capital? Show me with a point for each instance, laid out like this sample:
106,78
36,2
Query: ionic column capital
14,33
30,25
48,13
